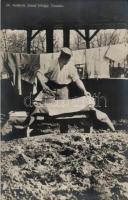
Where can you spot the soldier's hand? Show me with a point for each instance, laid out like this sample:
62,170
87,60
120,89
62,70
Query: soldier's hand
86,93
47,90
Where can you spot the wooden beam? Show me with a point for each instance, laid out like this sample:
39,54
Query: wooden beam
81,34
49,40
29,35
86,38
93,35
35,34
66,37
87,32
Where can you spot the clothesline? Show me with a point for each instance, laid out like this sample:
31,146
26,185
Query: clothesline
24,66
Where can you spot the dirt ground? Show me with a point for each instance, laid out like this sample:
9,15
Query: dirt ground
73,166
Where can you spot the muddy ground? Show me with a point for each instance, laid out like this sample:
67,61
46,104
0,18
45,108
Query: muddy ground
72,166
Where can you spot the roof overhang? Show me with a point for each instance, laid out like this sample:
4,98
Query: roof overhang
80,14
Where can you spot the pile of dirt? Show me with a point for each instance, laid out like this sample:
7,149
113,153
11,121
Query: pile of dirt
73,166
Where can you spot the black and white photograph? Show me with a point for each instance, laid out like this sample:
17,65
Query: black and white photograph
64,99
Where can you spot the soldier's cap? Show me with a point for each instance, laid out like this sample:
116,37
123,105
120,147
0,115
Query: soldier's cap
66,51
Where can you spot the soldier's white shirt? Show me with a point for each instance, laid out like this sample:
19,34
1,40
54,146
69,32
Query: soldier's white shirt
53,72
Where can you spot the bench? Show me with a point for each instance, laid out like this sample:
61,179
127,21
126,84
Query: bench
63,122
40,120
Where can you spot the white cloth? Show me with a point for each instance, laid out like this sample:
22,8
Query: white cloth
69,106
97,64
117,52
27,63
79,57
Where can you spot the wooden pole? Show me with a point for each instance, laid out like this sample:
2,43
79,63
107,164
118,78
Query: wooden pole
49,40
29,35
66,37
87,33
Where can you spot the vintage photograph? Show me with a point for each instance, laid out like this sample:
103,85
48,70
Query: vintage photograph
64,100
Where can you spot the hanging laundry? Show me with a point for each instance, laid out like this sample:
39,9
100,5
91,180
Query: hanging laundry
20,66
117,52
97,64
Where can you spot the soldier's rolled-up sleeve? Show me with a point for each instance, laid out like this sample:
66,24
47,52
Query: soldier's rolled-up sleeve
42,76
74,74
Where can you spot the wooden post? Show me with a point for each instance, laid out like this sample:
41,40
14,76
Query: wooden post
66,37
29,35
49,40
87,38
